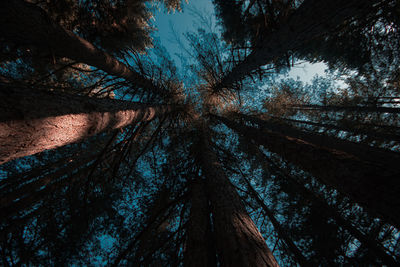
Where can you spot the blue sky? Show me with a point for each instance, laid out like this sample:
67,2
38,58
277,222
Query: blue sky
186,21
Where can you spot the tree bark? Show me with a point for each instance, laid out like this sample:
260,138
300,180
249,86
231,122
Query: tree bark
346,108
199,250
373,187
368,242
27,24
32,121
357,129
313,19
374,155
238,241
277,226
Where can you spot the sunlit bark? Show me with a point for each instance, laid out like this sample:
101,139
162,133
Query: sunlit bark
32,121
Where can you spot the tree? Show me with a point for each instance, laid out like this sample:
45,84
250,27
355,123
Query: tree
66,119
111,156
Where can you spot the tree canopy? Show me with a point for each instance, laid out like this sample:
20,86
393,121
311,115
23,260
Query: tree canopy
111,154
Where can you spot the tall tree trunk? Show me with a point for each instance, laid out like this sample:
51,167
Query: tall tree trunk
158,213
199,246
373,246
355,129
346,108
32,121
374,155
41,182
27,24
238,241
277,226
373,187
311,20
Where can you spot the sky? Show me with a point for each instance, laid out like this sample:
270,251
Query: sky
186,21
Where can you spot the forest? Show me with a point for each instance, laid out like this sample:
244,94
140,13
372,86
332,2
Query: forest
114,152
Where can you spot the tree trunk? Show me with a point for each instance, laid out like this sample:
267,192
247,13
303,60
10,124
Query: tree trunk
355,129
25,190
346,108
374,155
27,24
32,121
199,246
238,241
277,226
373,187
313,19
366,241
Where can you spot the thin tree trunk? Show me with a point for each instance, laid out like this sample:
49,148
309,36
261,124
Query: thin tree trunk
346,108
238,241
32,121
313,19
27,24
157,214
30,188
28,202
277,226
199,246
355,129
373,187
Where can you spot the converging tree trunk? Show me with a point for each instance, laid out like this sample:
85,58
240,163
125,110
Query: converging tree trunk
372,186
199,250
27,24
372,245
374,155
32,121
311,20
277,226
238,241
346,108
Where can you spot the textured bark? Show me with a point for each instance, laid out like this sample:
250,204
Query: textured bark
199,246
311,20
373,187
32,121
374,155
277,226
26,24
238,241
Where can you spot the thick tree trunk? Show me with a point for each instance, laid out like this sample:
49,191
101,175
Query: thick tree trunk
373,187
374,155
199,245
238,241
32,121
372,245
278,227
311,20
26,24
